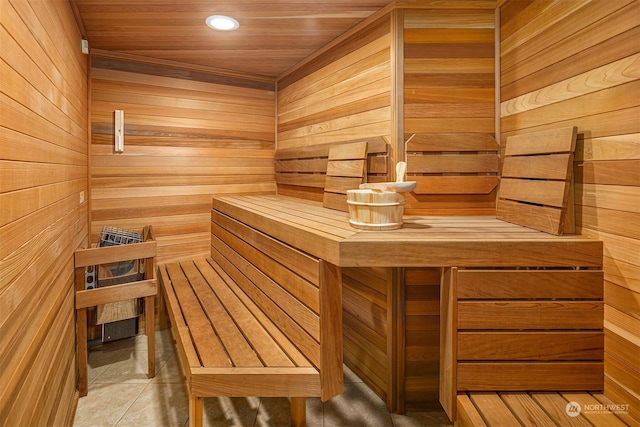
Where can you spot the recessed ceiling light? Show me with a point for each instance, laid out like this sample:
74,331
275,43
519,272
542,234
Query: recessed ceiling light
221,22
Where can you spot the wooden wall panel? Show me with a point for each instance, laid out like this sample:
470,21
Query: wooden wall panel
449,90
577,63
422,338
43,207
189,136
366,326
341,95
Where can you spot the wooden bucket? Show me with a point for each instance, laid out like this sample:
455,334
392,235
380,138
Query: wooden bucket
375,210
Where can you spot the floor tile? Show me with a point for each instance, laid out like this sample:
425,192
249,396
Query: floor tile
120,394
106,404
158,405
421,419
357,406
170,372
230,411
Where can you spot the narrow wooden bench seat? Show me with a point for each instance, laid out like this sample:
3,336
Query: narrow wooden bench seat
257,318
498,409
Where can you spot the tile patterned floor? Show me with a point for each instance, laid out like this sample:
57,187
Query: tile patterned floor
120,394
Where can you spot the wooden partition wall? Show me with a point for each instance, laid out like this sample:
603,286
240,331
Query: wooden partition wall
449,107
190,134
577,63
43,208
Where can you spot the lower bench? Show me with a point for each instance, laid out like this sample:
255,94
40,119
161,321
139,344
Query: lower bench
257,319
496,409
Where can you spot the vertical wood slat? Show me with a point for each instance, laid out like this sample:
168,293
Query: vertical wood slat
448,342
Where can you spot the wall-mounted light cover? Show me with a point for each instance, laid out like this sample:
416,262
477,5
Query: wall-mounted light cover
221,22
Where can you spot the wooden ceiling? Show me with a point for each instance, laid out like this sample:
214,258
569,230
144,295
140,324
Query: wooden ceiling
273,37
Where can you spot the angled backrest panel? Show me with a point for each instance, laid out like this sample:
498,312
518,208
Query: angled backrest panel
346,169
536,184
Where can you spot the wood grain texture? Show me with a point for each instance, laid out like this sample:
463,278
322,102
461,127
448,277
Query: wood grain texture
448,95
302,171
539,77
366,326
545,409
188,136
536,189
43,199
272,38
342,95
346,169
421,325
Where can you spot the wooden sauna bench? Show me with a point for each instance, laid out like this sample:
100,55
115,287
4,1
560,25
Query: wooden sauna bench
256,319
501,283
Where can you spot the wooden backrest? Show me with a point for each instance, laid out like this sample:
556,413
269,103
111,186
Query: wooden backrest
346,169
452,163
537,176
301,171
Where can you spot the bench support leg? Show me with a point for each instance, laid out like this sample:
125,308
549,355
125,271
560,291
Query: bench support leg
195,411
150,327
83,387
298,411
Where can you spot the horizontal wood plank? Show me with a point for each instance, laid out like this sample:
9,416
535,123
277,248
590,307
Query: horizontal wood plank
528,376
528,284
490,346
530,315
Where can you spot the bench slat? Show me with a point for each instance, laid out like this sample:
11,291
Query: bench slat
527,410
276,334
493,410
188,355
296,333
207,345
305,265
234,342
468,415
284,274
267,292
258,338
556,406
598,418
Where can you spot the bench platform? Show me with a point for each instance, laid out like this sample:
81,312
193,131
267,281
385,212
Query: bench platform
228,347
497,409
258,318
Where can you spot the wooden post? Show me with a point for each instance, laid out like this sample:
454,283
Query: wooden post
298,412
448,341
149,306
195,411
331,372
81,321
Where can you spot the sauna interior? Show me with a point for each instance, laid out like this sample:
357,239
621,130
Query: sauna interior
440,85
